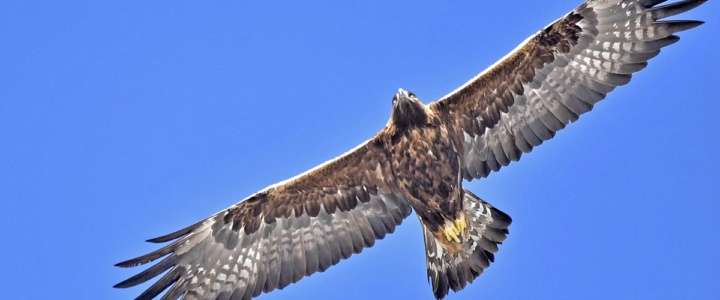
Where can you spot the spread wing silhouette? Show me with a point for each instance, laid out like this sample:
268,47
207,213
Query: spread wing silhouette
310,222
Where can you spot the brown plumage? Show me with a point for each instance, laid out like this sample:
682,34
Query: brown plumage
308,223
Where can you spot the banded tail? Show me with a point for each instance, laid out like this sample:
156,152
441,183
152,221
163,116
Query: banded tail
488,228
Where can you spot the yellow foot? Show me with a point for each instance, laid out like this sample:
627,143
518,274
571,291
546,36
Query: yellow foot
454,230
461,224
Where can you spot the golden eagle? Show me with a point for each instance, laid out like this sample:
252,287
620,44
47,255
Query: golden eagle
310,222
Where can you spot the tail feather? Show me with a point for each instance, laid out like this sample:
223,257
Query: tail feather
488,228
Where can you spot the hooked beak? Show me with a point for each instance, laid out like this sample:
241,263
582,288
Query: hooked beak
402,95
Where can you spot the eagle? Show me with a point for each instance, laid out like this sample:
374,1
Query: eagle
418,162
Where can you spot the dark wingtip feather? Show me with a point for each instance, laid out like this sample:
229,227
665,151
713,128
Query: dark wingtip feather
664,42
675,8
650,3
133,262
161,284
148,274
124,284
681,25
141,260
124,264
174,235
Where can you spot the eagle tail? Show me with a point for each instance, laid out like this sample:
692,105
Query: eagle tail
488,228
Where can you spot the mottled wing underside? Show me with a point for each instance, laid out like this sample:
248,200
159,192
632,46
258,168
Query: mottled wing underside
555,76
279,235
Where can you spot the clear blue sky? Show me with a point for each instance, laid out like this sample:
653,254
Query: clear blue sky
125,121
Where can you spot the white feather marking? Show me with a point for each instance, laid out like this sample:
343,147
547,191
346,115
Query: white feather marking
248,262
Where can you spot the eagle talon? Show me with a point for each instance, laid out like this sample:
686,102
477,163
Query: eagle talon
460,224
451,233
455,230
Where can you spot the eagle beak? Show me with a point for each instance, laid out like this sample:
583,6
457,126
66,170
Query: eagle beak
402,94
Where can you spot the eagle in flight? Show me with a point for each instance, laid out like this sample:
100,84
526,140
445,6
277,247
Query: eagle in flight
310,222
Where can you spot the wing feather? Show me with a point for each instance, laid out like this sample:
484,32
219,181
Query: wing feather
555,76
279,235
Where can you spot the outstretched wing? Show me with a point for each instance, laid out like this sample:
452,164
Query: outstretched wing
279,235
555,76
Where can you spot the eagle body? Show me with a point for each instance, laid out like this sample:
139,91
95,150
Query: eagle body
425,160
308,223
435,196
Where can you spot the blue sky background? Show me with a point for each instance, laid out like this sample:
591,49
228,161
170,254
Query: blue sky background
125,121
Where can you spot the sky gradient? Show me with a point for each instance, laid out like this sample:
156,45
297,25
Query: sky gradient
125,121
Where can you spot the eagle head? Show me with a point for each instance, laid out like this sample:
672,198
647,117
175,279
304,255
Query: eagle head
408,110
